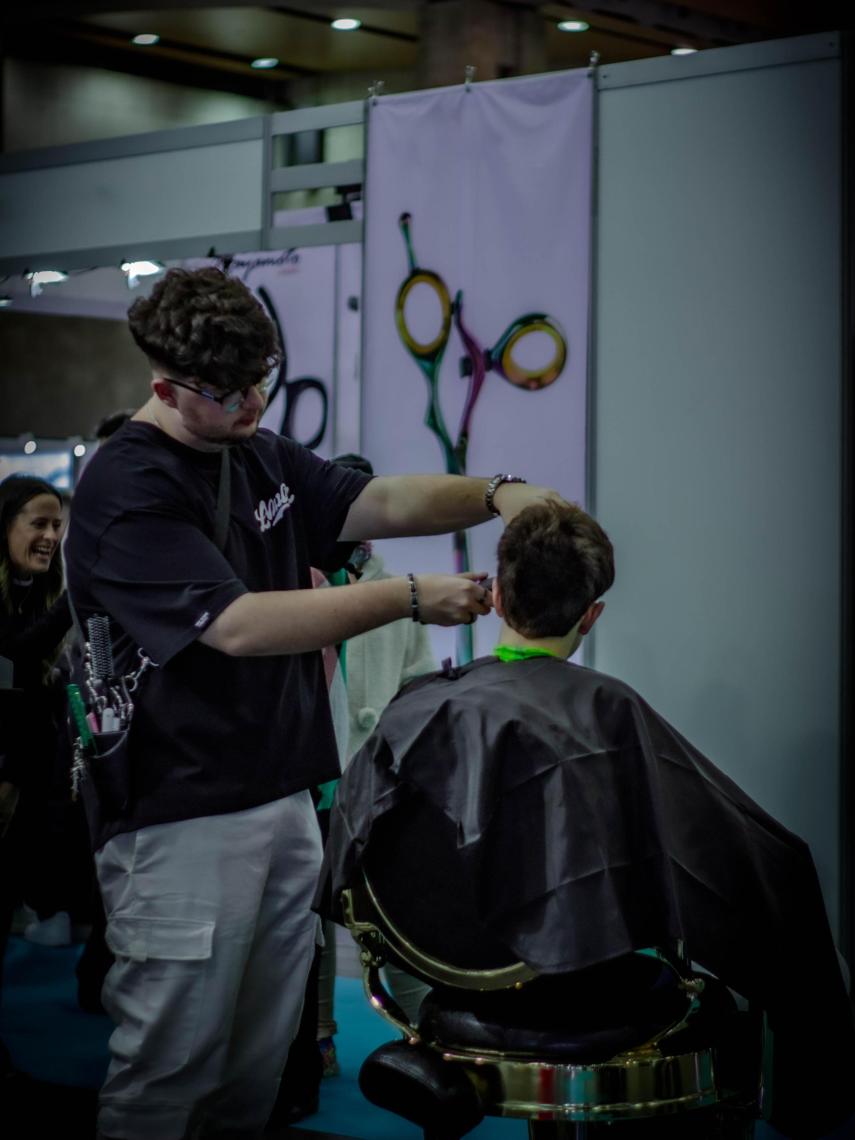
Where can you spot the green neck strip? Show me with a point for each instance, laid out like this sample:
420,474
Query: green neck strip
521,652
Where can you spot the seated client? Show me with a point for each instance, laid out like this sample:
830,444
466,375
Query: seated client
572,825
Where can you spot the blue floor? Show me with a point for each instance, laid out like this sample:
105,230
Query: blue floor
52,1040
43,1028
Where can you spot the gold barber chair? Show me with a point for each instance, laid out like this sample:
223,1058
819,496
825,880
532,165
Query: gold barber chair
641,1047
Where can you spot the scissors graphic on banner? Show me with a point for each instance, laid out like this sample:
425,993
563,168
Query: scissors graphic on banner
294,389
474,365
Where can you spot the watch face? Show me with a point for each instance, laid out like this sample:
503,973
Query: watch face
359,557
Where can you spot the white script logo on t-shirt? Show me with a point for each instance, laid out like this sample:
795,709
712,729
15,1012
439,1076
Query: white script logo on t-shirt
270,513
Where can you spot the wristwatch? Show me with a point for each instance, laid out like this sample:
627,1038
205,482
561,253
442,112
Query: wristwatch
493,486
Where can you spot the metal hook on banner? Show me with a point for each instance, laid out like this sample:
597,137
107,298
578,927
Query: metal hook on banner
469,73
593,60
375,91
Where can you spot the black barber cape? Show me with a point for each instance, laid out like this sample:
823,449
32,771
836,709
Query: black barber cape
587,827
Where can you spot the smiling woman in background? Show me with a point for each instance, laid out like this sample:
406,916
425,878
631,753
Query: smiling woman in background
34,618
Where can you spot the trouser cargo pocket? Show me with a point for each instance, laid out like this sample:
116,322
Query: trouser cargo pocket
155,991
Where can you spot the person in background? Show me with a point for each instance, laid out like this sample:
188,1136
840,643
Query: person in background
363,674
375,666
34,619
61,883
111,423
300,1084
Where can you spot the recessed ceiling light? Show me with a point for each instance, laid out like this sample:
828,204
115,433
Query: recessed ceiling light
134,270
146,39
573,26
346,25
265,62
142,268
30,446
79,450
42,277
683,51
46,276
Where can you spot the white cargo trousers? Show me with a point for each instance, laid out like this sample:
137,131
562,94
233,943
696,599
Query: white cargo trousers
210,924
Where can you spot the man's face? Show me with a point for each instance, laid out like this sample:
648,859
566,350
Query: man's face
209,422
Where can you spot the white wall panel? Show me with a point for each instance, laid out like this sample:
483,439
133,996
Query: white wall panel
135,198
716,430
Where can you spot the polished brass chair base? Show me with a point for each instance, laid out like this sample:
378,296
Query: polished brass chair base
624,1088
650,1081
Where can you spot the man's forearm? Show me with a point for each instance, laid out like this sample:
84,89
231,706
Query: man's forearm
392,506
297,621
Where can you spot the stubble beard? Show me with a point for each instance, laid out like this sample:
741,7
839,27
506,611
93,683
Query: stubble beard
234,433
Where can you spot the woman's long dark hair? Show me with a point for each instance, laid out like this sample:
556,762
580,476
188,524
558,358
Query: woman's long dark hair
15,492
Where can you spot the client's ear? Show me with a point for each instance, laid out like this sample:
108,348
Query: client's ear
497,599
590,616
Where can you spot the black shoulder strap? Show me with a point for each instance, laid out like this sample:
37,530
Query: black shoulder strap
224,499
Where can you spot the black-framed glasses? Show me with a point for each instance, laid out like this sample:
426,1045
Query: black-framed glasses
229,401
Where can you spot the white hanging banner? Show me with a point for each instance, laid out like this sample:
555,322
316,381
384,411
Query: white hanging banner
477,249
297,288
312,296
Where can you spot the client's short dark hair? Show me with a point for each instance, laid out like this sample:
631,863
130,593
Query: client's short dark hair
354,461
554,561
203,324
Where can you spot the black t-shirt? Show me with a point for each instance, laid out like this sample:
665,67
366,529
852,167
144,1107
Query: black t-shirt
210,733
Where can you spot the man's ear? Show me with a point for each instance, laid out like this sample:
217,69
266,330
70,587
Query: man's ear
163,390
497,599
590,616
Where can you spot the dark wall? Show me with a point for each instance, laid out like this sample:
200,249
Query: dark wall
59,375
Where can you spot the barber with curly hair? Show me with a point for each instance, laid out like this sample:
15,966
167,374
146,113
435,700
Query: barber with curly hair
193,533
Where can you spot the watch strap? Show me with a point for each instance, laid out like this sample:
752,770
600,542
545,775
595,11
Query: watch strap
493,486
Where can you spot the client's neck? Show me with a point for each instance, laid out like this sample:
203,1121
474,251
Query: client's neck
556,646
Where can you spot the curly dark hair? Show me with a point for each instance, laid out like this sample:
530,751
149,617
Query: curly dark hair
554,560
203,324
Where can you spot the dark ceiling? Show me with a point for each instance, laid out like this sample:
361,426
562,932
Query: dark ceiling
203,45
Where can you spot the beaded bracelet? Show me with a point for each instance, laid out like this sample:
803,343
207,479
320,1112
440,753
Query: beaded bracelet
414,599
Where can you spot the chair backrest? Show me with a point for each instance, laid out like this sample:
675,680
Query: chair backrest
419,880
416,908
418,896
378,934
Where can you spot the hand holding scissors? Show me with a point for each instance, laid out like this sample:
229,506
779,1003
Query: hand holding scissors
452,599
